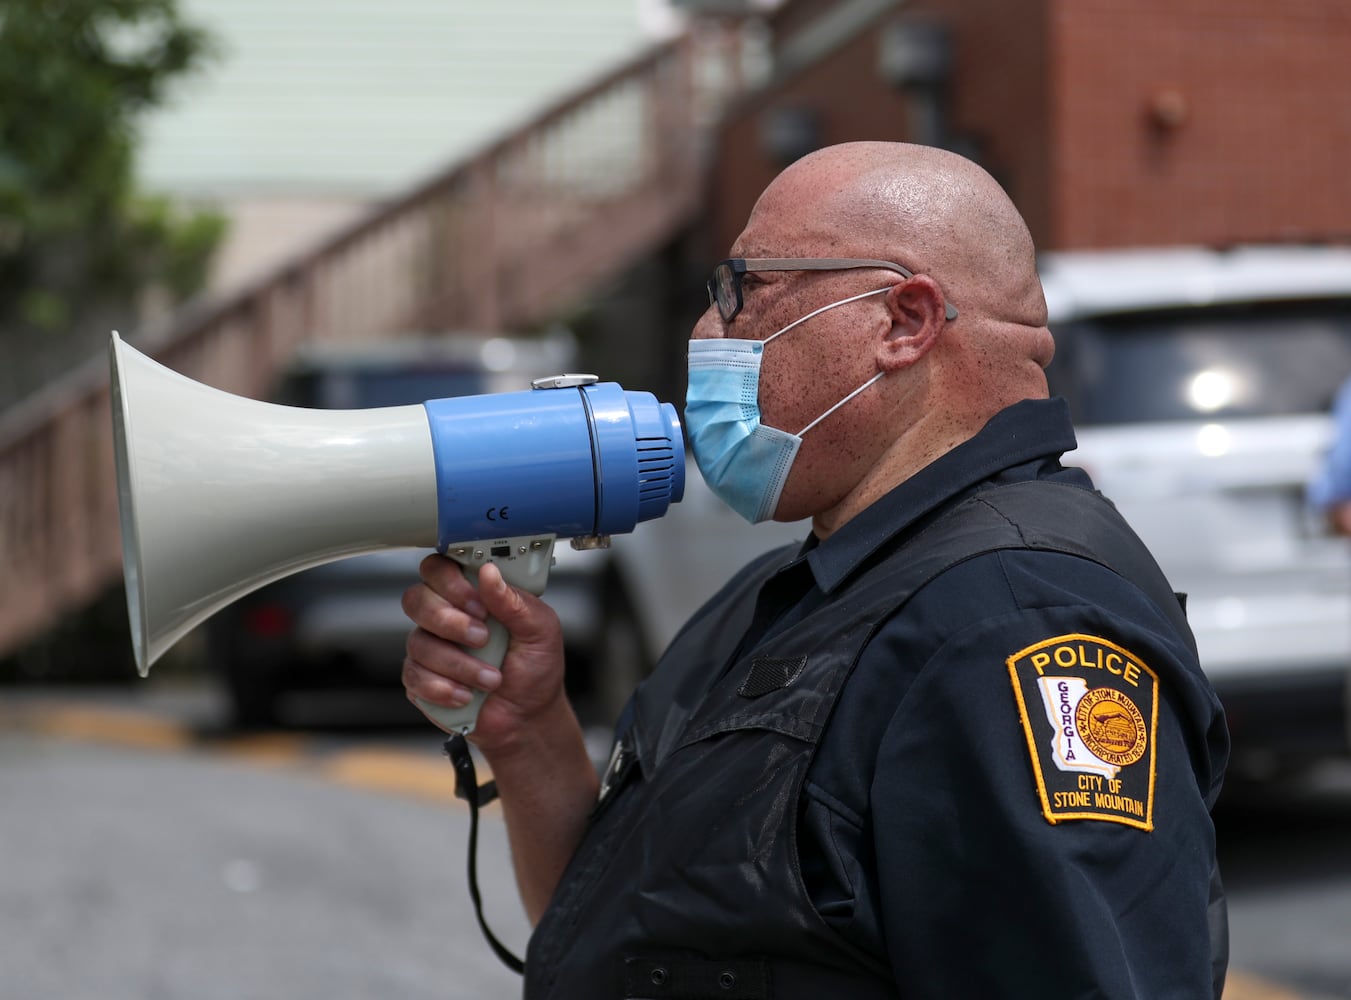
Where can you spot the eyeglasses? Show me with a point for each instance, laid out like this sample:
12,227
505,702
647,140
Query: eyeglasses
724,287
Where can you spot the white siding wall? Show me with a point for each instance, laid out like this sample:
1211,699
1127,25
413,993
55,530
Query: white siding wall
359,99
316,109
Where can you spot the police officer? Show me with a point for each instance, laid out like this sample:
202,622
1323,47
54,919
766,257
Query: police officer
958,743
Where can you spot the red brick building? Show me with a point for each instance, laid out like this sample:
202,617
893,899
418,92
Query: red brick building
1110,122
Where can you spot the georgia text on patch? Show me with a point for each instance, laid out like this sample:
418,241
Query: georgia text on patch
1089,709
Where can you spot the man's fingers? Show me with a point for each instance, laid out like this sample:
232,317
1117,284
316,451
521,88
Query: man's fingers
501,600
526,616
452,619
444,576
426,685
430,610
441,672
447,594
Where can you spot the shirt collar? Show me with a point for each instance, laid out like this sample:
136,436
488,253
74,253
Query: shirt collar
1024,432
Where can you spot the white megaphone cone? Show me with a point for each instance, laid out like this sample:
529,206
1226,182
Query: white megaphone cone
220,494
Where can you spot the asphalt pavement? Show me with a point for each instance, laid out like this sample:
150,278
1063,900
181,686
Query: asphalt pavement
174,858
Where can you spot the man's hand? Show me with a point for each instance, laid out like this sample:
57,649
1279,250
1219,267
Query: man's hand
449,614
1339,517
526,727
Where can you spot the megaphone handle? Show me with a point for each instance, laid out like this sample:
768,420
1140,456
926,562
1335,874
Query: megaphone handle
525,562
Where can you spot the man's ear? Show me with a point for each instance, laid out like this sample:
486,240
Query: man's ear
917,311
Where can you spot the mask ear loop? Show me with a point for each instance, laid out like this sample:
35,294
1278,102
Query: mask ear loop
840,403
818,312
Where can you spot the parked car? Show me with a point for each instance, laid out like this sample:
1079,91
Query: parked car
1200,382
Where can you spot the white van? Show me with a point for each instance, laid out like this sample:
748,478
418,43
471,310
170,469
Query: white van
1201,382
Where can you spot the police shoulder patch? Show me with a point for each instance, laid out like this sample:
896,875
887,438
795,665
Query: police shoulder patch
1089,709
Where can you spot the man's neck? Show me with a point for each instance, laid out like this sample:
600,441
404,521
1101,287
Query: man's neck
920,445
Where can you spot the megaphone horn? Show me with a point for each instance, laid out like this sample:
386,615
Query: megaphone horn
220,494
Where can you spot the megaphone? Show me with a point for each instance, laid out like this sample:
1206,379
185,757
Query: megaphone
220,494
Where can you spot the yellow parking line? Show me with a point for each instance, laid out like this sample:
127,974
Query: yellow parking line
104,725
265,749
1239,986
394,772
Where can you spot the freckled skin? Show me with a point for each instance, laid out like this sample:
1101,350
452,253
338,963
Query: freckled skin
938,215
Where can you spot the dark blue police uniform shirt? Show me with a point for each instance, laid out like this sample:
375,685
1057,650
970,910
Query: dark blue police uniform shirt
923,835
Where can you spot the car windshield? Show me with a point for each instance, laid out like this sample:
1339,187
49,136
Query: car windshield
1254,360
362,389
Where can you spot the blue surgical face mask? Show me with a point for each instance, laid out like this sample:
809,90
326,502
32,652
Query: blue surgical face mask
745,463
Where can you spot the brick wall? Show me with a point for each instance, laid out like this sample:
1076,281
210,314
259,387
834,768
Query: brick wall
999,101
1110,122
1206,121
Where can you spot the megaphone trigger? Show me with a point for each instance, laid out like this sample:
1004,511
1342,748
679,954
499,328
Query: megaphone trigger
524,562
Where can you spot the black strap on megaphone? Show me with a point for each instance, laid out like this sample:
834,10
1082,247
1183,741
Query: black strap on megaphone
467,788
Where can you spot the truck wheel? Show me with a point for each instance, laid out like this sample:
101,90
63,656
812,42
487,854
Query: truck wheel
253,697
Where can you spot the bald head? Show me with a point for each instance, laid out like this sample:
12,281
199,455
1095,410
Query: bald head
940,215
931,210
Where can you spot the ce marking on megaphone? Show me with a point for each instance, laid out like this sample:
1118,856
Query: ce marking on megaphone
498,513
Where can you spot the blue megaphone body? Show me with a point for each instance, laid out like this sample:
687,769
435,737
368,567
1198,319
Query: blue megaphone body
572,457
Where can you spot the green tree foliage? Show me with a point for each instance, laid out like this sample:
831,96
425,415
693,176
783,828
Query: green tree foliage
78,244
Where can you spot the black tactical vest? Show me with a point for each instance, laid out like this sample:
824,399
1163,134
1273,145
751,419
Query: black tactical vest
686,884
